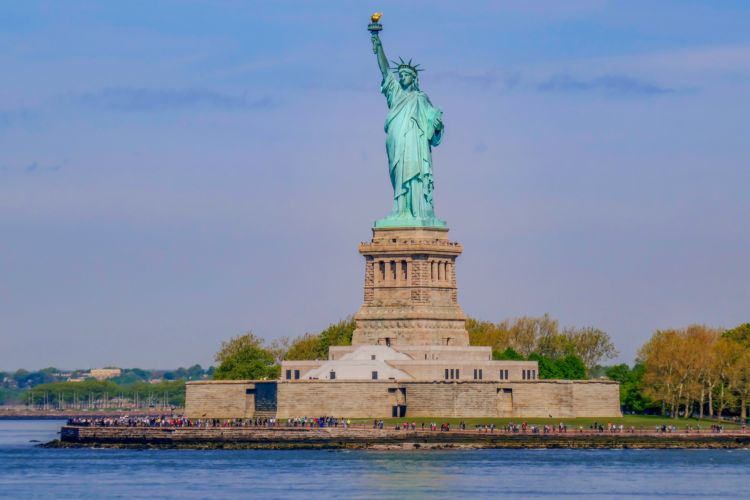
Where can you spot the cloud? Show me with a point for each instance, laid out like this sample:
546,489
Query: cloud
505,81
488,79
140,99
33,168
11,117
608,84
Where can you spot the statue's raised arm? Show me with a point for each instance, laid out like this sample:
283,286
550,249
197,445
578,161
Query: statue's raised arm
377,48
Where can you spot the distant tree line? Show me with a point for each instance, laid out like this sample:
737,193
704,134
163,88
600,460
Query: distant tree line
94,394
18,387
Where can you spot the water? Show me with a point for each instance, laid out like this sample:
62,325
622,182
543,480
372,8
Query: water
30,472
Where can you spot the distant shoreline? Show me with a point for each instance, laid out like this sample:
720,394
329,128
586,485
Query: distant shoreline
24,414
380,439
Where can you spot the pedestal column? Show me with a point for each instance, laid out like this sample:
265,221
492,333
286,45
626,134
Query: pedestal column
420,308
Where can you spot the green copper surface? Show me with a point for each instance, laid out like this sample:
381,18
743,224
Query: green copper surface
413,127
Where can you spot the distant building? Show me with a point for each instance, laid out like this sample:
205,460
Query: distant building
105,373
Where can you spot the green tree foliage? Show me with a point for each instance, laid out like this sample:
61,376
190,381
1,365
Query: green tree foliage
572,367
740,334
11,396
306,347
131,376
249,363
194,372
568,367
311,346
237,344
24,378
338,334
507,355
632,396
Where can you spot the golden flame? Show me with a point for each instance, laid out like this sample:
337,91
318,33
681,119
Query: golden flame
376,17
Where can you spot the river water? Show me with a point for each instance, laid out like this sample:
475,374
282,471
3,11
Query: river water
27,471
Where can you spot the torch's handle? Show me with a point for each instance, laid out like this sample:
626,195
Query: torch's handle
376,43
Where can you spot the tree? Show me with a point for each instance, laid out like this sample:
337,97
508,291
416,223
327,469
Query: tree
236,345
306,347
658,356
195,372
310,346
725,351
738,378
567,368
632,397
548,341
541,335
251,362
591,345
548,369
279,347
24,378
740,334
337,334
701,355
694,366
484,333
572,367
508,355
527,334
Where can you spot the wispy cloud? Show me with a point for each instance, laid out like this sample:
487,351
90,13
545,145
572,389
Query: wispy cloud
33,168
142,99
492,78
505,81
11,117
608,84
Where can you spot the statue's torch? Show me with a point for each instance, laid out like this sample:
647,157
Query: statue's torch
375,27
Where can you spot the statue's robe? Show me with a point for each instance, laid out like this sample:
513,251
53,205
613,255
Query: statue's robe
413,127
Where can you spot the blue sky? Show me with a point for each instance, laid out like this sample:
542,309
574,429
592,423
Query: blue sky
175,173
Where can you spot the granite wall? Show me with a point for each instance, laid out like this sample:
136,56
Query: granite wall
376,399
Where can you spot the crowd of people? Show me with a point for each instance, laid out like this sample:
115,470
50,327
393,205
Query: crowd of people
319,422
131,421
327,421
180,421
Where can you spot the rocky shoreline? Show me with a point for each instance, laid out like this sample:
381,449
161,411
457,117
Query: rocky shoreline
378,439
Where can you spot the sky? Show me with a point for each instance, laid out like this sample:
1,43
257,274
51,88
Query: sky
174,173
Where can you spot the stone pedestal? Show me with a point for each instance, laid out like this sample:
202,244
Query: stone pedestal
410,290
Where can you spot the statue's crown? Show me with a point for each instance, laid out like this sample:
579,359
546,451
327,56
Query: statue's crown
403,65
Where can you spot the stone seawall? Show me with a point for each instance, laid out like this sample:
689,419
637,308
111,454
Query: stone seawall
286,438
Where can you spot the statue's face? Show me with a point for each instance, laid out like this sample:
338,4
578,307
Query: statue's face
406,79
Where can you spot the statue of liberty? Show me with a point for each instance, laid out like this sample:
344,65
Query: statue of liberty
413,127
